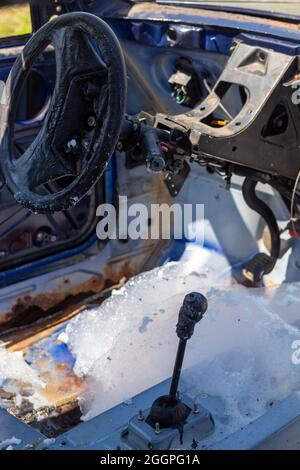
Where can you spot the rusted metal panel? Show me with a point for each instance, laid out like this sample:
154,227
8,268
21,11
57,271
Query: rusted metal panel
53,362
49,356
156,12
28,307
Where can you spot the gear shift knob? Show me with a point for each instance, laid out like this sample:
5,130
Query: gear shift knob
192,311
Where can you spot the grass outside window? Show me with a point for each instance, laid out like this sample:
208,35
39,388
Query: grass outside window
15,20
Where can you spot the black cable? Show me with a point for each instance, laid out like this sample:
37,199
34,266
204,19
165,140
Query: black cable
266,213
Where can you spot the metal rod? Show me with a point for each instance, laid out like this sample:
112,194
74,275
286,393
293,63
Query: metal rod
177,370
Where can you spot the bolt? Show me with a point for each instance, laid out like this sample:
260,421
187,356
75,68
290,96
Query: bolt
91,121
196,410
58,9
178,395
157,428
119,146
135,126
141,416
2,253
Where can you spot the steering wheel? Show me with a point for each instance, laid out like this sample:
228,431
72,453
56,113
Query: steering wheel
82,125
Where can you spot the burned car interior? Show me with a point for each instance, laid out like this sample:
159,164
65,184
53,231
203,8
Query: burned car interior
164,104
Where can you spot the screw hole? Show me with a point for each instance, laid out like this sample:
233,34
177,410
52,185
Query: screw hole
261,56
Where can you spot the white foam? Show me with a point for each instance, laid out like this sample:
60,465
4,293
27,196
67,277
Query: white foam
241,351
17,377
8,444
49,442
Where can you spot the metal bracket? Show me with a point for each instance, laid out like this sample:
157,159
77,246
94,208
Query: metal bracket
175,181
141,435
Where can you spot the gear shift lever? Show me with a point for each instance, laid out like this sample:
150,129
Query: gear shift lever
169,410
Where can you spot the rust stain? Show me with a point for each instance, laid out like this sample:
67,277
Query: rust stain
62,387
27,308
18,341
113,272
31,315
157,12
